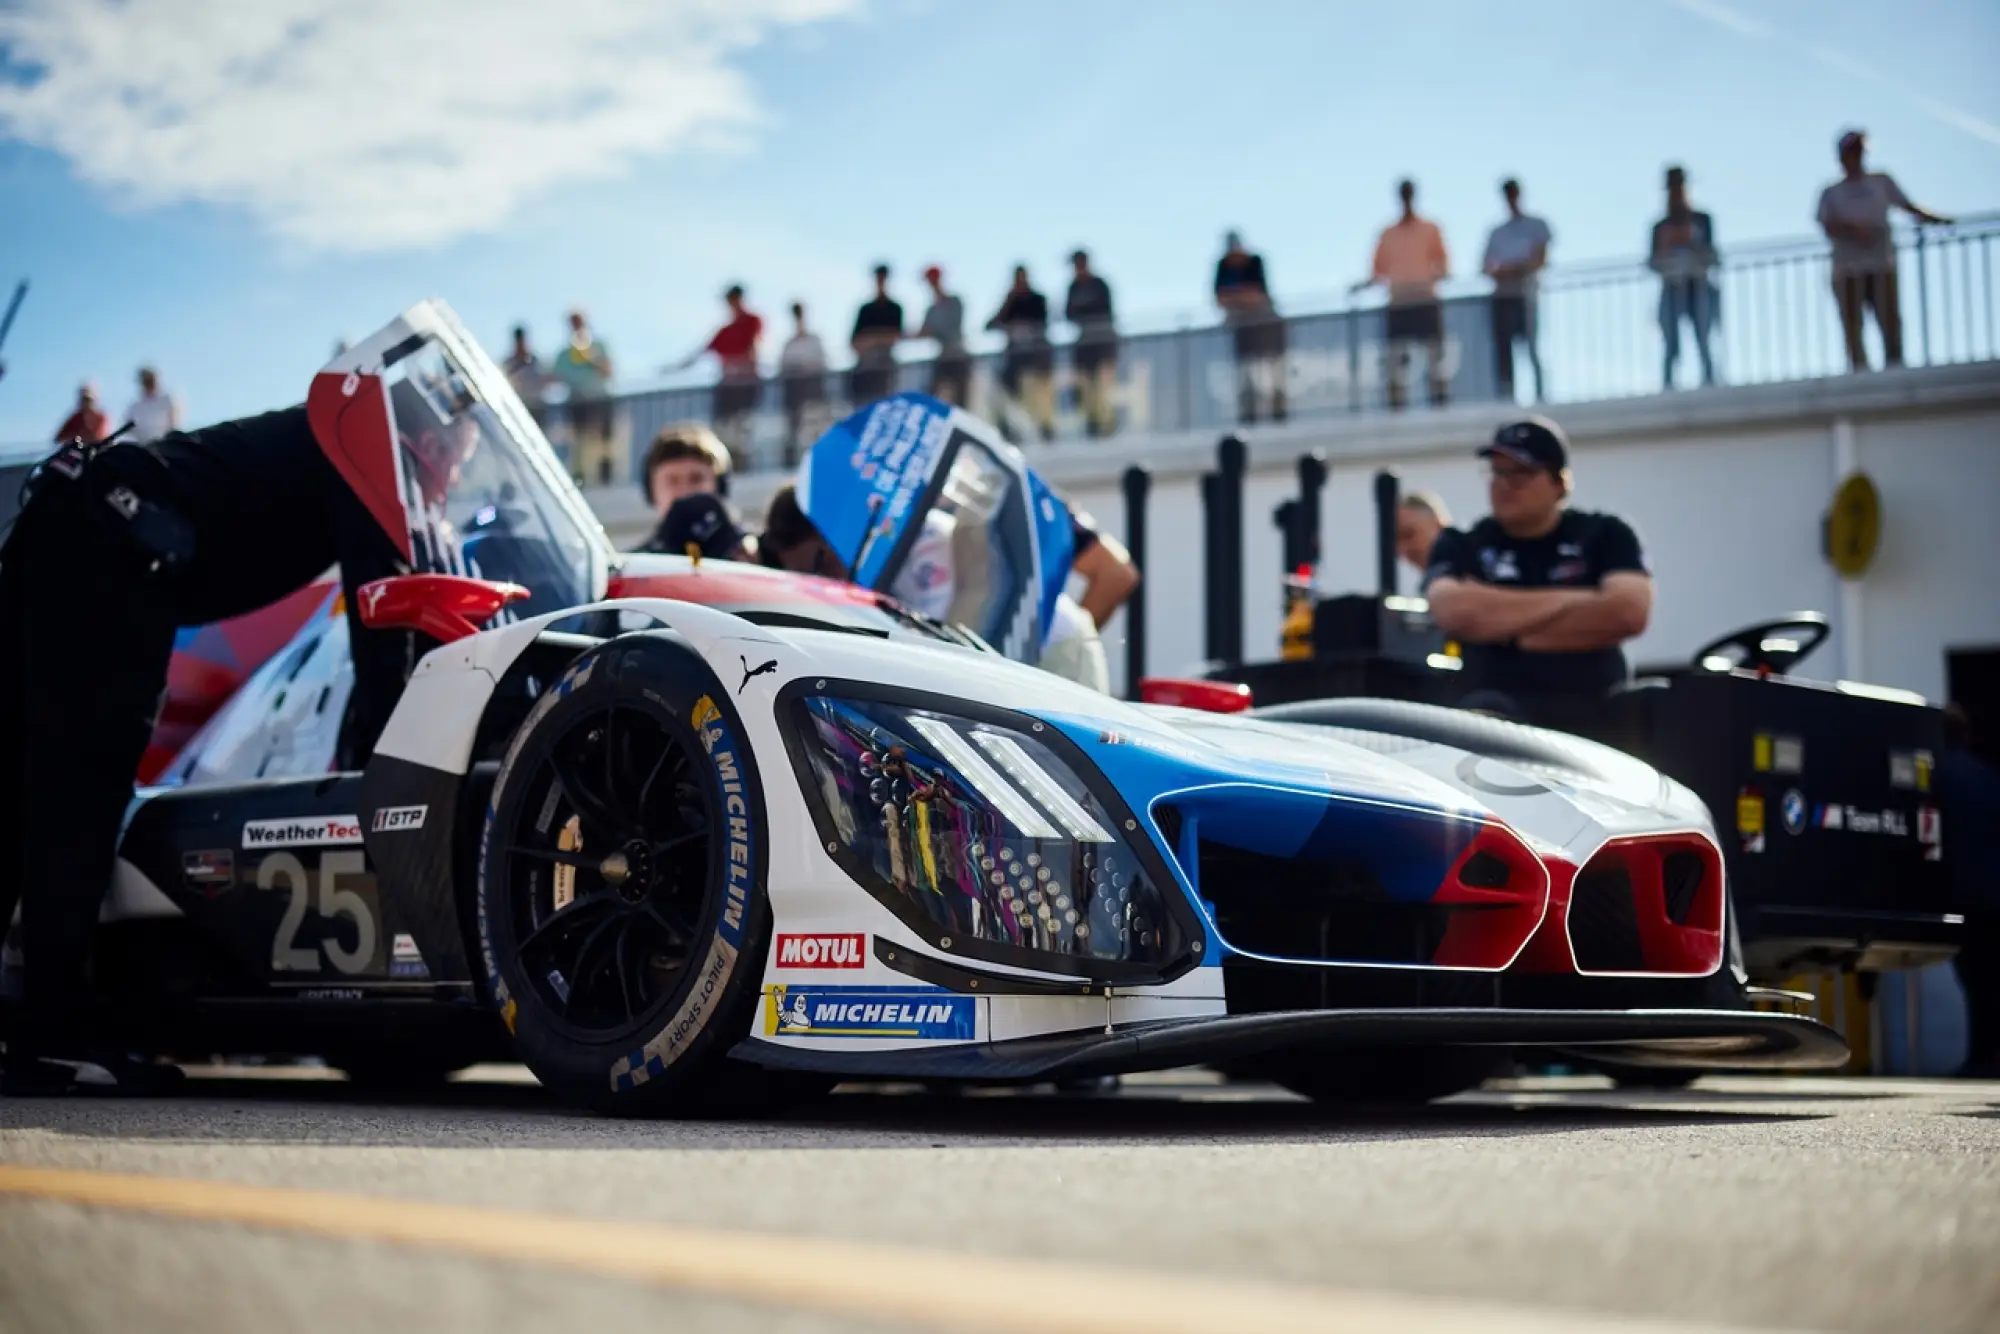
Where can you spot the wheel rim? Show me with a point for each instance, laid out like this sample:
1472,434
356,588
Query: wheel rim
609,869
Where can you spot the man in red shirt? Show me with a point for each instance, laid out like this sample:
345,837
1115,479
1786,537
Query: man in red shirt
88,423
736,393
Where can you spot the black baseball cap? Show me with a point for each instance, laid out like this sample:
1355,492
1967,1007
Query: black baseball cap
703,521
1534,441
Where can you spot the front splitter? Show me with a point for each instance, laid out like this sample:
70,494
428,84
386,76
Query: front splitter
1659,1039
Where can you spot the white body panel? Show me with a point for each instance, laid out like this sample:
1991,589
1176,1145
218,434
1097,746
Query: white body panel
1562,816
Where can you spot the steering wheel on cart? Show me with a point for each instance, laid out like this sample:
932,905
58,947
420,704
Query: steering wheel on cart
1768,647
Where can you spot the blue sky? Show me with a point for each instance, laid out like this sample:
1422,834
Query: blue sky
224,190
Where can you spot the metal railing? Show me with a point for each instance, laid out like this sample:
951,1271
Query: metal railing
1598,336
1598,333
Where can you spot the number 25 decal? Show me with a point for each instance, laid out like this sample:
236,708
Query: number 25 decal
289,957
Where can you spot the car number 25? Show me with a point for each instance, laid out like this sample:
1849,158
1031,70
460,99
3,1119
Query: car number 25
331,902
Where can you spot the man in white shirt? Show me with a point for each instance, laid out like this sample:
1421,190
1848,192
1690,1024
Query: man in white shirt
802,371
154,413
1854,214
944,324
1516,252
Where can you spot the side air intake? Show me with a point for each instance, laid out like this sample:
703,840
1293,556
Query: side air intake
1648,906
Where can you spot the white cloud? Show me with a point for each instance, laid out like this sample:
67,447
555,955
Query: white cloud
375,124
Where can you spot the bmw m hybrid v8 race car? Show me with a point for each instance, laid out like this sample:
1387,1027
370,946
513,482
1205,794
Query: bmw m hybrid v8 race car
687,837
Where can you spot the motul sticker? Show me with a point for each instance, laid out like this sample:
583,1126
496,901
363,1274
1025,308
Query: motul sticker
399,817
845,949
305,831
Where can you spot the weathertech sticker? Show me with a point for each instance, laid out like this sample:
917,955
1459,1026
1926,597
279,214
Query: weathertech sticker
833,950
400,817
305,831
923,1016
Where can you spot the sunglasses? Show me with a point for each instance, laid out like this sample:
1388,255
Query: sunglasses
1510,475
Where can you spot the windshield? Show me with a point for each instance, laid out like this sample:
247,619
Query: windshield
972,550
474,504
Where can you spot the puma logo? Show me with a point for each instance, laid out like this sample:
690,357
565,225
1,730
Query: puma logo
752,673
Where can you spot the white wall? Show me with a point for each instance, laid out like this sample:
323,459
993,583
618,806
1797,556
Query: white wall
1726,489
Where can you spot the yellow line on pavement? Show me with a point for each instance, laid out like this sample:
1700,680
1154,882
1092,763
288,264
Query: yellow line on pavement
943,1290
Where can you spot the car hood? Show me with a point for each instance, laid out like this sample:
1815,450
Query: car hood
1151,753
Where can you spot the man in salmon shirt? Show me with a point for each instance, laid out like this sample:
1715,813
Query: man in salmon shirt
1410,260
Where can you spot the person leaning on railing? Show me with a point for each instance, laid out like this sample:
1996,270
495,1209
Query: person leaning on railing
1095,356
1244,293
1854,214
1027,367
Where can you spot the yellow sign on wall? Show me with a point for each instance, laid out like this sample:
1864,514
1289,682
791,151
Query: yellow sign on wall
1854,526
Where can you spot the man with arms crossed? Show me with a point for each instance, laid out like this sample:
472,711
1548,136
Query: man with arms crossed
1541,595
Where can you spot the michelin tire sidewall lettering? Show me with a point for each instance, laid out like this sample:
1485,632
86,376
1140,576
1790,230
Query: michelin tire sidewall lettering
696,1023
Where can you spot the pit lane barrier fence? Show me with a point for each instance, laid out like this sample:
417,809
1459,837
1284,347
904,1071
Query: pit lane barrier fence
1598,335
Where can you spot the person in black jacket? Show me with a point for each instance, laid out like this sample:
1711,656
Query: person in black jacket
1027,368
1096,354
116,548
1244,294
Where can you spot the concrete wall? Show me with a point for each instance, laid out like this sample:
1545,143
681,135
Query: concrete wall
1726,488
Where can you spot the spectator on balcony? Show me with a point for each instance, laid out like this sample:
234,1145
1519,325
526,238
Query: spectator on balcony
1854,214
1410,261
525,373
944,324
155,412
88,423
1244,294
1419,519
1088,307
584,367
737,390
1027,367
878,327
802,366
1683,254
1516,252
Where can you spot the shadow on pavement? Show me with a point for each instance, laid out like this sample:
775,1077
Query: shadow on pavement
522,1115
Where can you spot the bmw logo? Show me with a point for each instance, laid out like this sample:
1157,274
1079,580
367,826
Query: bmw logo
1794,811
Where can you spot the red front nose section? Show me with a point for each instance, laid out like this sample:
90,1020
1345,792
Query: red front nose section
1649,905
1499,890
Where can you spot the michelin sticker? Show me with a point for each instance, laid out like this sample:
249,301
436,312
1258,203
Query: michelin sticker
635,1068
918,1016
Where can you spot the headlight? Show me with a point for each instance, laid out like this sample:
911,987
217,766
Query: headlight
981,837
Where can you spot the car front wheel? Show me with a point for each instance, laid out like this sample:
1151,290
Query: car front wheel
621,914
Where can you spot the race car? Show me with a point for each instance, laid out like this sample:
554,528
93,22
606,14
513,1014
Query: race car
685,837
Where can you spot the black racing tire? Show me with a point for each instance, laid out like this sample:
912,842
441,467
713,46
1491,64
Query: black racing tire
1360,1076
626,981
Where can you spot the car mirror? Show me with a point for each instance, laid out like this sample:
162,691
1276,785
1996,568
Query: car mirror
444,606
